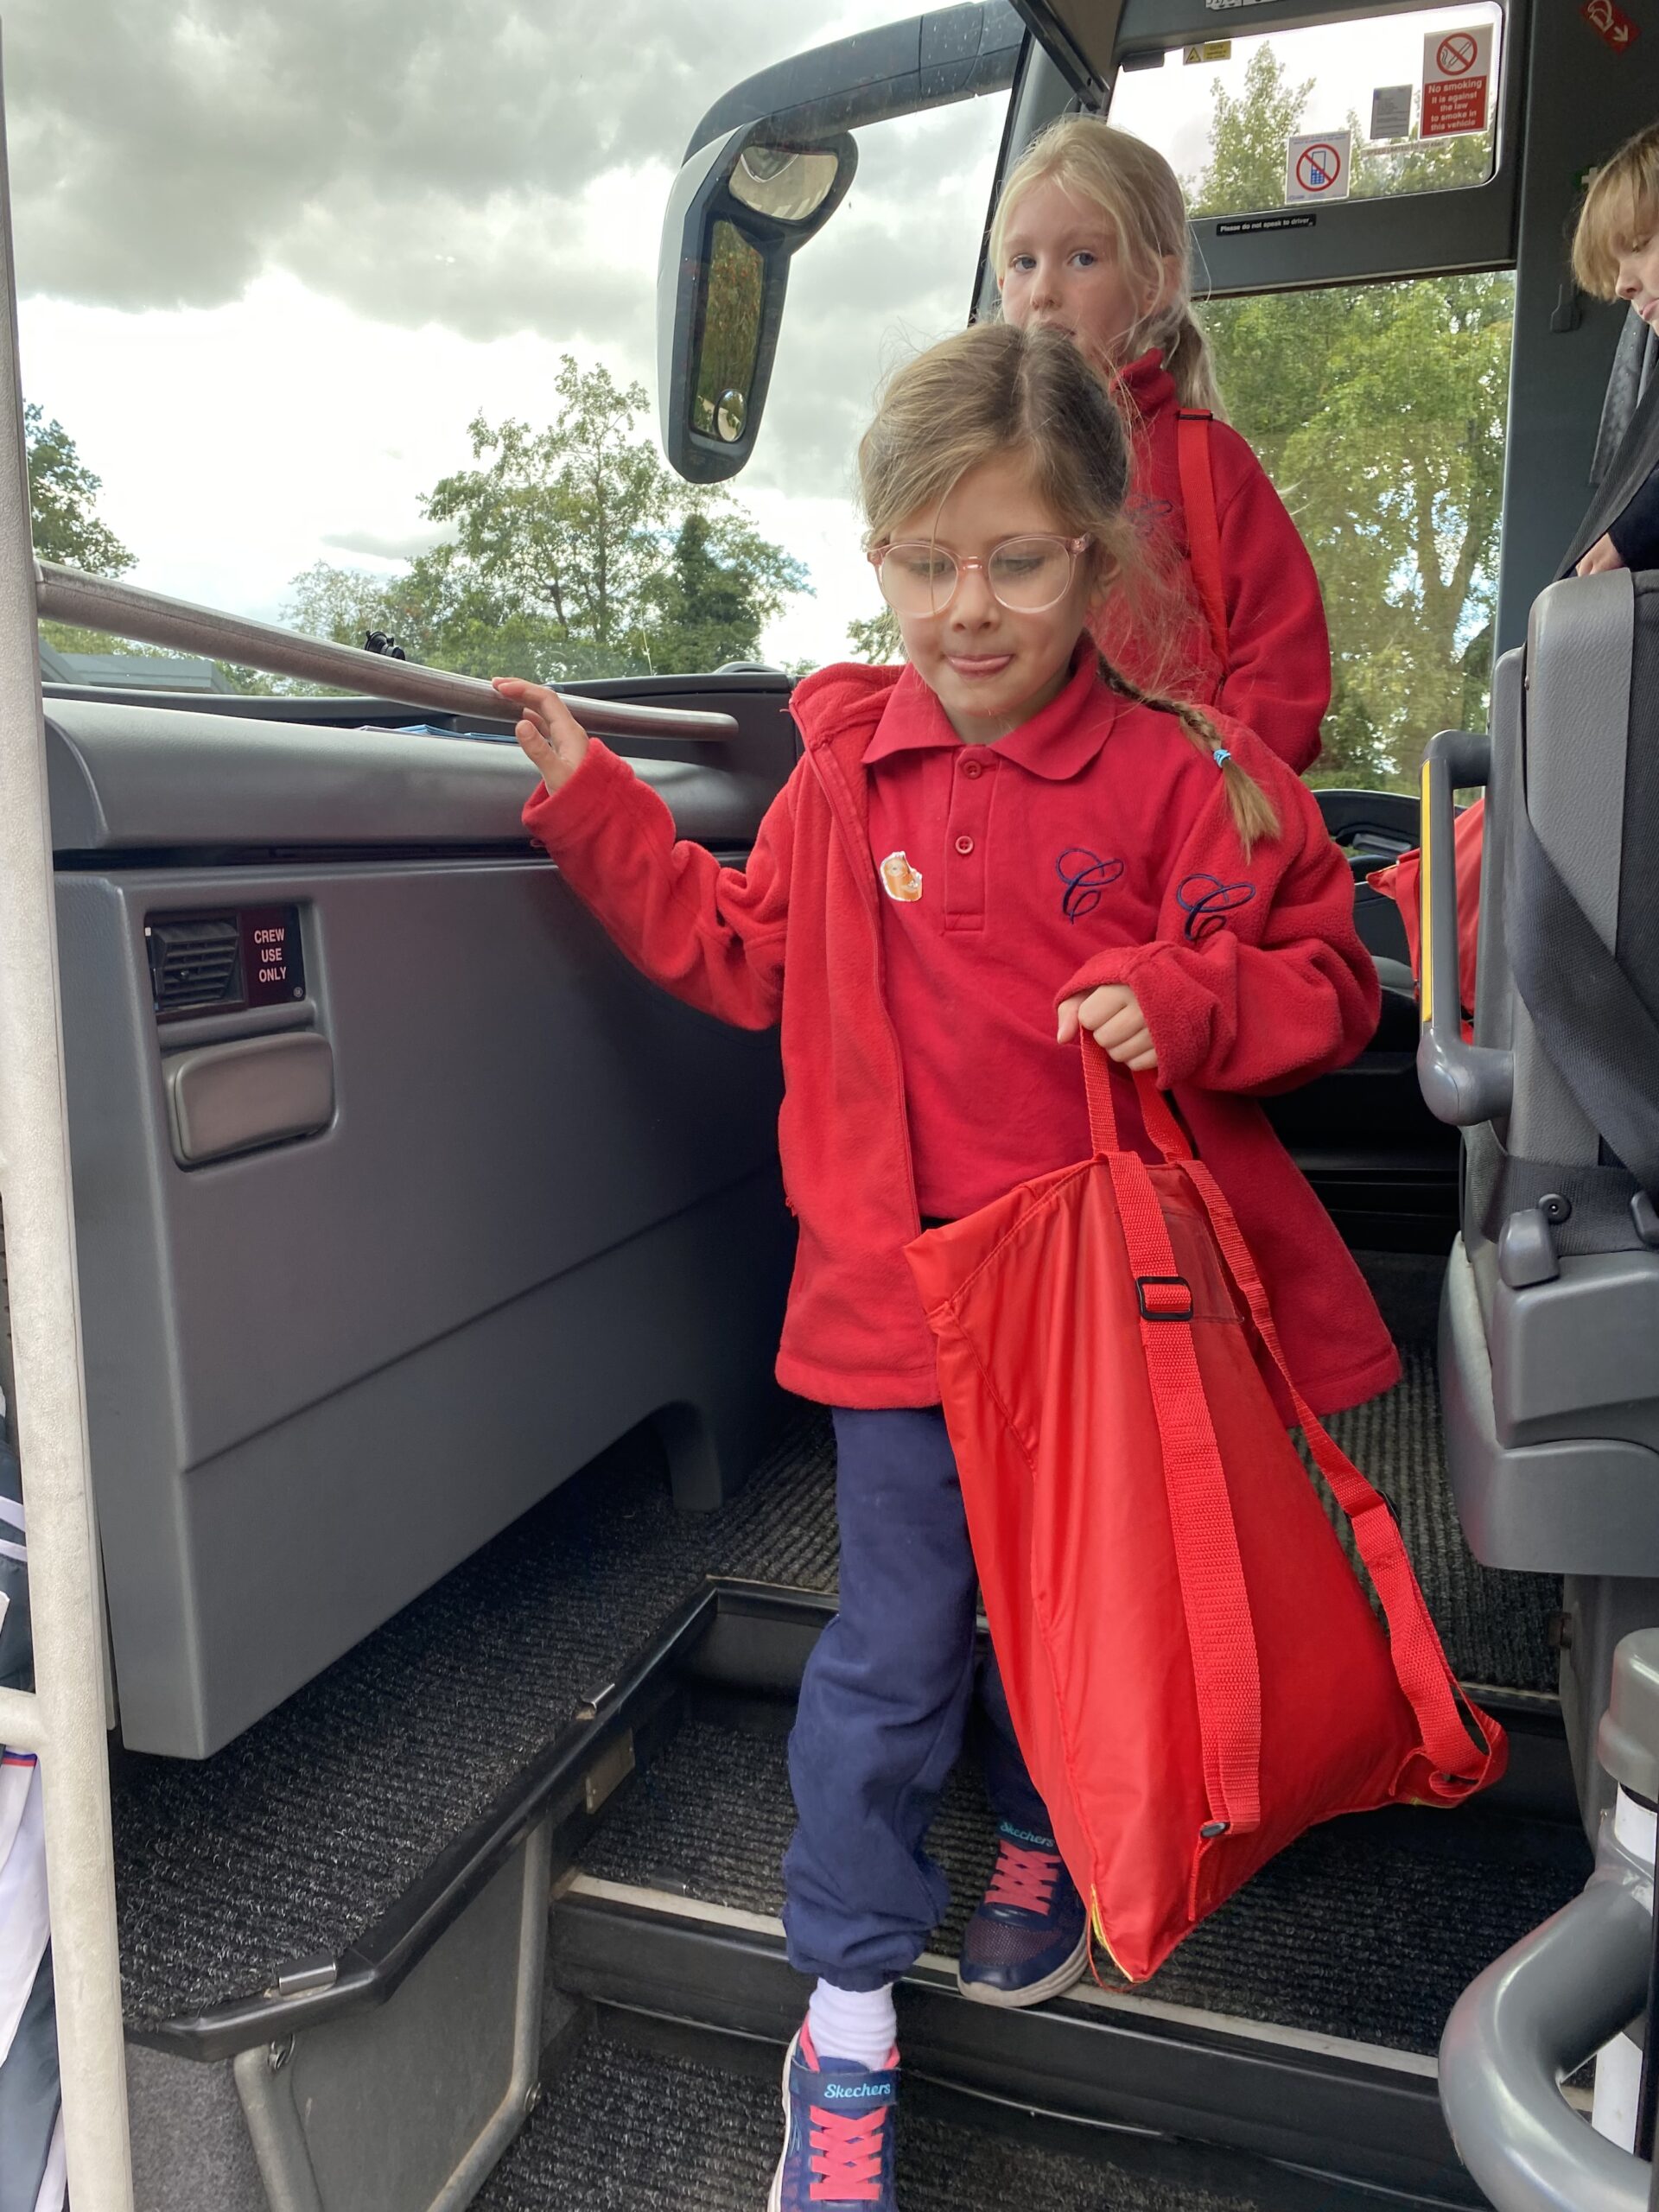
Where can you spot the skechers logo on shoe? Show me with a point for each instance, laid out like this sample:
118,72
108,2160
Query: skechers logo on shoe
855,2093
1027,1836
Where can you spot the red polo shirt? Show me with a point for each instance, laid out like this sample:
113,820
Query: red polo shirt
1005,866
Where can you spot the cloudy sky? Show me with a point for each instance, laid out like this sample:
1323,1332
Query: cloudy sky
274,254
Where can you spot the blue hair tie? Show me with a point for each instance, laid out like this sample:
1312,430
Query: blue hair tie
1222,756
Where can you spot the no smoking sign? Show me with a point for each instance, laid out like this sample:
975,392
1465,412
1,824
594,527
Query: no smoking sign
1318,165
1457,81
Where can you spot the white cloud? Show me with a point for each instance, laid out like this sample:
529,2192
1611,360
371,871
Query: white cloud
274,262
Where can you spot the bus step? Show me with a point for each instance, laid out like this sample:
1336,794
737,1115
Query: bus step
1299,2023
648,2116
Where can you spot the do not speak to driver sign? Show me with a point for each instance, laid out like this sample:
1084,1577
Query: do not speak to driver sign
1457,81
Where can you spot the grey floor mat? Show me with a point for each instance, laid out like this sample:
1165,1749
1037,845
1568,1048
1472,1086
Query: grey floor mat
296,1838
624,2129
1369,1926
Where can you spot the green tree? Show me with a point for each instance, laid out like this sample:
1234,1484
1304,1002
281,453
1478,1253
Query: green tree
722,584
876,638
575,553
62,491
1379,411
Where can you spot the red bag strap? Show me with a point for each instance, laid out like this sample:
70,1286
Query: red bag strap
1215,1600
1419,1662
1192,458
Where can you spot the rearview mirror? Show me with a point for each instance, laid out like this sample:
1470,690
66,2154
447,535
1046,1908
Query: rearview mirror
739,209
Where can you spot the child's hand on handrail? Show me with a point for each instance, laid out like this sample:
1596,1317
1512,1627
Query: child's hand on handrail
549,734
1113,1015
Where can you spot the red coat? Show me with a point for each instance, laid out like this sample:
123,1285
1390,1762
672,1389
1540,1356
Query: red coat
1283,991
1278,680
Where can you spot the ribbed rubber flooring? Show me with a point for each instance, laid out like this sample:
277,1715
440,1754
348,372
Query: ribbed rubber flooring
623,2130
1369,1928
297,1837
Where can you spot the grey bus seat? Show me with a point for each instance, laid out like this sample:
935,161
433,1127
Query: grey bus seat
1550,1329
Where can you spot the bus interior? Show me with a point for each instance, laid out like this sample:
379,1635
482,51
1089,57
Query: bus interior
458,1554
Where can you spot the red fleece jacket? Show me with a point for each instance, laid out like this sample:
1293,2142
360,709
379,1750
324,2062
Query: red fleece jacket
1277,676
1282,992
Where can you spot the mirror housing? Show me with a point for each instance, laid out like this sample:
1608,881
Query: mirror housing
738,210
756,186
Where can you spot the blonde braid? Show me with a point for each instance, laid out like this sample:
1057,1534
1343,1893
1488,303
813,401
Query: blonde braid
1254,813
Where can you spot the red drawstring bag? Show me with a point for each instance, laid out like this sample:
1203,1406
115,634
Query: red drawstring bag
1194,1671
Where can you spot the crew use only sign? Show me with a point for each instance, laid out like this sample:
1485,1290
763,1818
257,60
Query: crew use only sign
1457,81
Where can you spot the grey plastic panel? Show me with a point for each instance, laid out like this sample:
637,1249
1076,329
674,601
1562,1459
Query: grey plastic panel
128,778
1598,1612
1587,1504
1494,986
406,2108
323,1373
230,1098
1580,1355
1579,653
1532,2018
1627,1742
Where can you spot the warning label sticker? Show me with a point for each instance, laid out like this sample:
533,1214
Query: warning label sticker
1391,111
1318,165
1457,81
1611,22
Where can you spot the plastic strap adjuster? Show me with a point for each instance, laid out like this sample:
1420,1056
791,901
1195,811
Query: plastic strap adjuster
1164,1298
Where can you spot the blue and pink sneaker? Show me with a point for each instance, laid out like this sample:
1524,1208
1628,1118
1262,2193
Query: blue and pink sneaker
837,2134
1029,1939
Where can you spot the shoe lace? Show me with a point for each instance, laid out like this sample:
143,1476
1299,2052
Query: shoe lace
1024,1879
847,2156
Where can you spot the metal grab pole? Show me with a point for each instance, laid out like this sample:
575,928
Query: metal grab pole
107,603
51,1410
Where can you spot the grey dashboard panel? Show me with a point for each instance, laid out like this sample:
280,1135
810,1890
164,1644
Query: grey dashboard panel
129,778
322,1372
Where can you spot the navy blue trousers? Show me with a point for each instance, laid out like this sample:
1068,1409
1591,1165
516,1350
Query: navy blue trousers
885,1704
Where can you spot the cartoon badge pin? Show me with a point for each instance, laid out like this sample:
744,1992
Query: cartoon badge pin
899,881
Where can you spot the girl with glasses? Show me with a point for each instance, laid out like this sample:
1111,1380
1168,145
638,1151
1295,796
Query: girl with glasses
1091,238
979,852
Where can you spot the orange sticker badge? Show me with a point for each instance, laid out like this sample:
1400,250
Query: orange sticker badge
900,879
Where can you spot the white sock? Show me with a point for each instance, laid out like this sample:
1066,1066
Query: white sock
856,2023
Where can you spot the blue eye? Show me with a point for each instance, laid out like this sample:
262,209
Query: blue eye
1084,258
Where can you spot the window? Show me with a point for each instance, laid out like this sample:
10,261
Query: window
1379,411
1273,119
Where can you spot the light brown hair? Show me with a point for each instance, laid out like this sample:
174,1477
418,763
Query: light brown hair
1620,209
1135,189
991,391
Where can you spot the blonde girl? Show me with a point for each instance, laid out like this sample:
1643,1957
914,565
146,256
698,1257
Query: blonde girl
1090,238
979,852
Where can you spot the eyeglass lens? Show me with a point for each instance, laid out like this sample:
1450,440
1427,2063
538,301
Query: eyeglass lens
1026,574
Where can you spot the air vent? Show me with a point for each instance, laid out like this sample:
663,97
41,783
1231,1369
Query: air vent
195,963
